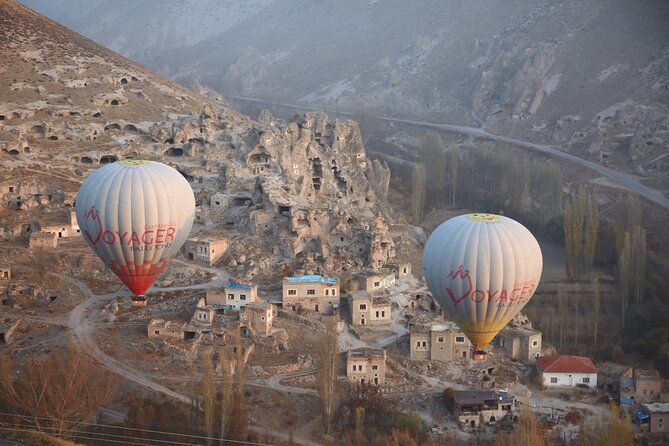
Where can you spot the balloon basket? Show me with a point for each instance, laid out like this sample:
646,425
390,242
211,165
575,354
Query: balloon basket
479,355
139,301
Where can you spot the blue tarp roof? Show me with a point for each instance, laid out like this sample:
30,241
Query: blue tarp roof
313,278
239,286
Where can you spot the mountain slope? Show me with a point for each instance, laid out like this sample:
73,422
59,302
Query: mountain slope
563,72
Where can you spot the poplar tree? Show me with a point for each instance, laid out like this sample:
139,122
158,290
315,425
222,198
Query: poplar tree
327,355
418,190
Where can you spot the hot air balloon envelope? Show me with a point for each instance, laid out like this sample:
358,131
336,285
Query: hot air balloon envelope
135,215
482,269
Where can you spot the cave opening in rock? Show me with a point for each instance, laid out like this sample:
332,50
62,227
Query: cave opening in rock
107,159
174,151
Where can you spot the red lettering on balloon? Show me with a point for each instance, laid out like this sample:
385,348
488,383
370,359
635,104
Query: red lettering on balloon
159,235
148,242
170,233
463,275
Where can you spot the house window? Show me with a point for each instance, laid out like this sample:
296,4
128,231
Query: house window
459,339
383,314
375,367
587,381
156,332
333,292
11,189
417,344
311,292
242,297
404,270
292,292
535,343
440,339
355,367
327,292
377,314
424,344
363,307
231,296
377,284
553,380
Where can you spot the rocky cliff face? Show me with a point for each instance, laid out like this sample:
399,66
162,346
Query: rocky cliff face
301,194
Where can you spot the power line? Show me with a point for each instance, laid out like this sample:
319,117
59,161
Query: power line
102,434
202,437
16,429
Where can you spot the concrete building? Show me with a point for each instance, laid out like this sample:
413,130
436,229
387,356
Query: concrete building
314,293
366,365
438,342
640,386
475,407
375,282
161,329
567,371
258,317
659,416
368,310
523,344
234,296
205,250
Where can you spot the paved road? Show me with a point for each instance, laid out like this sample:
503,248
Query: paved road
627,181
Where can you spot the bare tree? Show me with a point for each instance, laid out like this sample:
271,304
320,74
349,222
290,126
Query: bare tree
596,308
55,394
327,354
209,393
581,227
418,185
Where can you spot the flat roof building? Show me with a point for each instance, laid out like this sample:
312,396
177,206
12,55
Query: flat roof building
313,293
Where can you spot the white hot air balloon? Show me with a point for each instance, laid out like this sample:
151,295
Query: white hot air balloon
482,269
135,215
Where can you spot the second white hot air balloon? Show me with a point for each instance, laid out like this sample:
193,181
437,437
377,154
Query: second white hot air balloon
482,269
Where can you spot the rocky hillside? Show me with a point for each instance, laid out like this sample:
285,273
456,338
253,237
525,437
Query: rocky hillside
591,76
302,194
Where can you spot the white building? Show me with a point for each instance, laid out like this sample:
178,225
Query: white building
567,371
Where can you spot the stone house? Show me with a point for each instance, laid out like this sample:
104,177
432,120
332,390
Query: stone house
566,371
659,416
375,282
43,240
640,386
7,331
314,293
205,250
438,342
366,365
161,329
400,269
257,317
520,343
369,310
5,272
476,407
609,377
233,298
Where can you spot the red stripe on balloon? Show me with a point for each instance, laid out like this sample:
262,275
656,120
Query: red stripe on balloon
140,279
